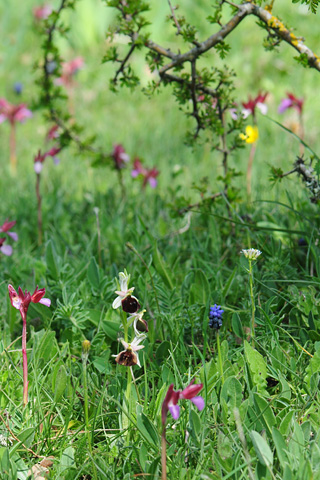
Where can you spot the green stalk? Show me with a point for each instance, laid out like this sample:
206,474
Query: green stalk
85,354
253,307
220,366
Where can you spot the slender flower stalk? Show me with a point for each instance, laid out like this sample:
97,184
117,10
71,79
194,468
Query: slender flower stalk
85,354
251,254
38,165
215,321
96,211
21,302
170,404
13,113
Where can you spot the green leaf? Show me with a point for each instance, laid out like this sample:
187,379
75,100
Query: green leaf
147,429
281,446
237,325
60,383
231,392
93,274
110,328
195,422
200,288
262,449
161,268
257,367
286,422
265,412
52,261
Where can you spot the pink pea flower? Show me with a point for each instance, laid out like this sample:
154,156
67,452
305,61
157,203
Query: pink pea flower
6,226
69,69
291,101
253,103
119,156
53,133
149,174
42,12
21,302
170,403
40,158
5,249
13,113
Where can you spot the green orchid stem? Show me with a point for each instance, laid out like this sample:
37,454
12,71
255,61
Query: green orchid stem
86,412
164,454
220,365
125,325
253,307
13,155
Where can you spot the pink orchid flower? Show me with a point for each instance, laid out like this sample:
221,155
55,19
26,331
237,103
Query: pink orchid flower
119,156
5,249
69,69
13,113
42,12
6,226
53,133
291,101
40,158
170,403
253,103
21,302
149,174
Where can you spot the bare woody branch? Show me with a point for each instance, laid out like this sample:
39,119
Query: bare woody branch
244,10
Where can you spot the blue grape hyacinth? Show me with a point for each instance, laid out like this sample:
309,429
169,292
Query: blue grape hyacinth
215,317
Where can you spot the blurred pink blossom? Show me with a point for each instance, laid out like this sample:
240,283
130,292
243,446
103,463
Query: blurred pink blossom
119,156
5,249
13,113
149,174
6,226
253,103
42,12
40,158
69,69
291,101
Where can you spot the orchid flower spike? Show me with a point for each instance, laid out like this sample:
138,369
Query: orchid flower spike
129,303
170,403
21,301
129,357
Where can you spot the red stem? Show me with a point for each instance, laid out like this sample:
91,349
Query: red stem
164,454
24,358
13,155
39,210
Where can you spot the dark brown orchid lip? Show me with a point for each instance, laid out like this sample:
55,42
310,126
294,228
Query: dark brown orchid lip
127,358
130,304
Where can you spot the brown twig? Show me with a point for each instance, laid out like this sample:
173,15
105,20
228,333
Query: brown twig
174,18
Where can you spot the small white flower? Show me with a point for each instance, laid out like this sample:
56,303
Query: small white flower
124,292
251,253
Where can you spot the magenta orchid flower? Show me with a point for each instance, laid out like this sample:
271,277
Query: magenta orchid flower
42,12
13,113
253,103
291,101
21,302
5,249
40,158
119,156
149,174
69,70
170,403
6,226
53,133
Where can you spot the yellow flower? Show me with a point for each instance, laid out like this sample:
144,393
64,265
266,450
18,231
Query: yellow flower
251,135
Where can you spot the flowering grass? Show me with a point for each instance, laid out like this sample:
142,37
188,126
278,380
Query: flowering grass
248,335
